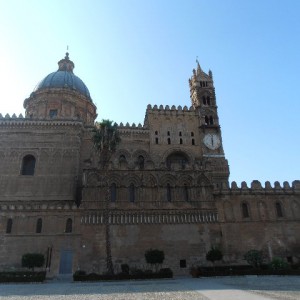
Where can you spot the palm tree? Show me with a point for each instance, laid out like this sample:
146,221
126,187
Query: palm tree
105,139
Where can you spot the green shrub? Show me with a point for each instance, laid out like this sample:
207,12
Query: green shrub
33,260
214,254
278,264
166,273
18,276
254,258
136,272
154,257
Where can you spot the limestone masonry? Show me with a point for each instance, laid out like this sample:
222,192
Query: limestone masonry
168,183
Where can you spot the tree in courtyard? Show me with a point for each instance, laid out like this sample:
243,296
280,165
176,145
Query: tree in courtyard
214,254
33,260
155,257
106,139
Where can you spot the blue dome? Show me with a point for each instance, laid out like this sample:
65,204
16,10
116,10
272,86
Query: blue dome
64,78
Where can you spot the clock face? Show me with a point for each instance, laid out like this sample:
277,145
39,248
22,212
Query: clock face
212,141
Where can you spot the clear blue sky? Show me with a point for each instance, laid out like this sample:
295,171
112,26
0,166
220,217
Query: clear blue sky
132,53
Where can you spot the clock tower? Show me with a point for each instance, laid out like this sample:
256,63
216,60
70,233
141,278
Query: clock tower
203,98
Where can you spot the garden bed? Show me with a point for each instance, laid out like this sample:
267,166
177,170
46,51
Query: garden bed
21,276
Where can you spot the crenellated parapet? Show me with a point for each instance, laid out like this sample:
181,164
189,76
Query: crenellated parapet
132,129
257,188
21,121
8,117
167,110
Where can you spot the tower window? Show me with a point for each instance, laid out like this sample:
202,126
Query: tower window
53,113
186,193
28,165
206,119
192,133
9,225
156,132
245,210
69,226
156,141
168,132
169,196
113,192
180,134
169,141
279,210
131,193
204,100
39,225
180,141
211,120
193,141
208,100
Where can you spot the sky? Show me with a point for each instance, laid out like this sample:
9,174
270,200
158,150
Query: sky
133,53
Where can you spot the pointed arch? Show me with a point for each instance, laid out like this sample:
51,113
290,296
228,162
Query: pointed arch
28,165
132,179
167,178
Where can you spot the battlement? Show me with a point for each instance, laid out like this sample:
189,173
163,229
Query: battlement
256,187
128,126
22,121
14,116
168,110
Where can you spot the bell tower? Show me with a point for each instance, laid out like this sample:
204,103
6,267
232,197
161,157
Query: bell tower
203,98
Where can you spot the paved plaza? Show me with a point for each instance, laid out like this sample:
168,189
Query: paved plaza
221,288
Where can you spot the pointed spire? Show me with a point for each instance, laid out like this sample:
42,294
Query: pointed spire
198,66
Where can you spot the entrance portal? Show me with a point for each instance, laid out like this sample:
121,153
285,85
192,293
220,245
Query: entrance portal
66,262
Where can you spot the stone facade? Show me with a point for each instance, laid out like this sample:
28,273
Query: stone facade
168,181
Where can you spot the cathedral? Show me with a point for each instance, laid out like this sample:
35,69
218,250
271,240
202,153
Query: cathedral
168,184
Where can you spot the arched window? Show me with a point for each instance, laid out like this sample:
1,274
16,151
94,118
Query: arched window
192,133
206,119
211,120
122,158
193,141
131,193
169,194
156,141
186,192
168,132
204,100
69,225
169,141
28,165
113,192
245,210
279,210
9,225
39,224
180,141
208,100
156,132
141,162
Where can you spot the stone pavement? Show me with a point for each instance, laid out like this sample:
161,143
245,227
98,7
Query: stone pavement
220,288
